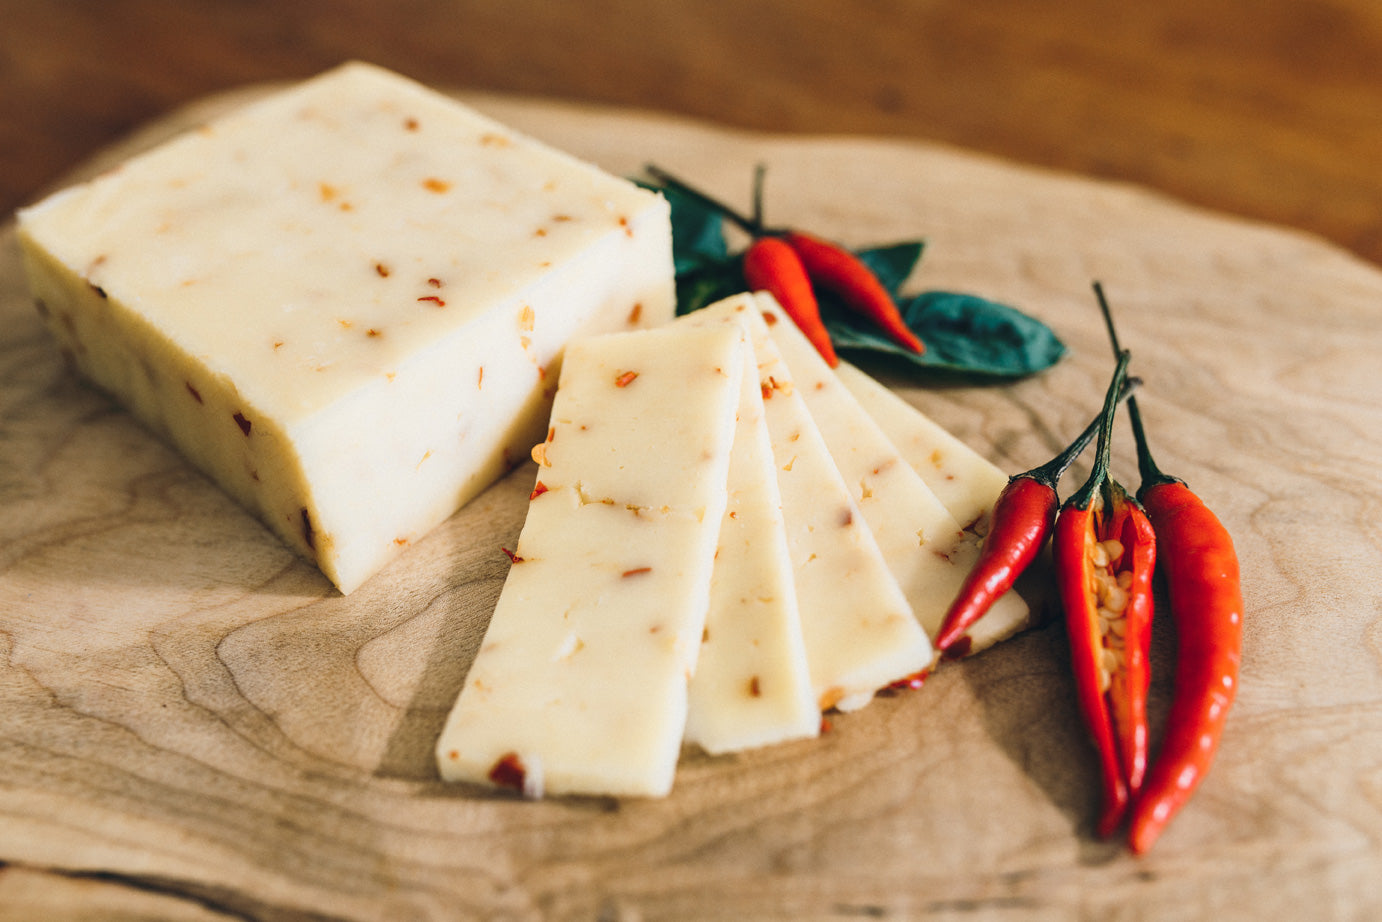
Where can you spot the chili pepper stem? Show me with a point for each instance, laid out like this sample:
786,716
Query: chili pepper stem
750,224
1150,474
1020,522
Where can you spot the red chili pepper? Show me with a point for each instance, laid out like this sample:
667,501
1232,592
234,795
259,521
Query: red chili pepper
773,266
1100,535
1019,524
825,264
1205,596
835,269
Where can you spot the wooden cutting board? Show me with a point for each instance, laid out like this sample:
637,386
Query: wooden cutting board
194,725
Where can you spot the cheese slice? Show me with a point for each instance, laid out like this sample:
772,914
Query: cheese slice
925,546
964,480
752,685
345,303
580,685
859,631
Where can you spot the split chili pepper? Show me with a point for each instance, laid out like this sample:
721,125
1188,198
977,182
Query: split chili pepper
1018,527
1105,553
1206,601
773,266
827,265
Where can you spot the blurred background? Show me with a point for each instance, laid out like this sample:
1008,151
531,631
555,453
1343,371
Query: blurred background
1269,109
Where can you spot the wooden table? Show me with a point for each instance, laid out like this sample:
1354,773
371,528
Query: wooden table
194,726
1271,109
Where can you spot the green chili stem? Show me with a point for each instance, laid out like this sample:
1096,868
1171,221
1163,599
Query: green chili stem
1104,450
1050,472
1146,466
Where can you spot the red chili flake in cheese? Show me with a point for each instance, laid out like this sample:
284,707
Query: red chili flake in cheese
243,423
196,395
636,313
539,489
509,772
513,558
625,379
432,184
434,299
382,270
637,571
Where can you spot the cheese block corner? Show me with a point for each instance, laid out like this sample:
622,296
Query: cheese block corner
347,302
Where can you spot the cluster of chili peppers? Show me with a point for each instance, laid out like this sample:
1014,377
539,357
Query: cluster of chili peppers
792,265
1106,546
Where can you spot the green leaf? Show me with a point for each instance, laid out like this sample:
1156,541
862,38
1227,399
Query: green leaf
698,235
708,283
963,333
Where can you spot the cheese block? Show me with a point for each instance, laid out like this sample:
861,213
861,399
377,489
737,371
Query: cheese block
752,685
345,303
859,630
580,684
924,545
964,480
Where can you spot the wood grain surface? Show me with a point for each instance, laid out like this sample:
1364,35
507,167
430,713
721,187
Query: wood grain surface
194,725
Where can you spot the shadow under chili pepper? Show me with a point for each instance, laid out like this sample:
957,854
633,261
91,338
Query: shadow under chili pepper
1025,691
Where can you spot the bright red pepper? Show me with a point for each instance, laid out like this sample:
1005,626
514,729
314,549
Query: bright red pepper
827,265
1203,588
1204,591
1105,553
1019,525
835,269
771,265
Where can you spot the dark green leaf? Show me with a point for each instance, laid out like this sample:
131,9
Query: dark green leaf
698,235
708,283
963,333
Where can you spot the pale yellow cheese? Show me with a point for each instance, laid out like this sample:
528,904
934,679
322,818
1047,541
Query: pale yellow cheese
924,545
966,481
858,627
752,685
582,676
346,303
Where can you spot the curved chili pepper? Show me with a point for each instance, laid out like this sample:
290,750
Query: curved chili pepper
835,269
1100,535
1206,600
1019,524
771,265
827,265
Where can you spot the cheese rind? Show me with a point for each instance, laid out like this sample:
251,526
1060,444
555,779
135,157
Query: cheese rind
859,630
346,303
583,671
752,685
